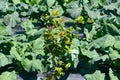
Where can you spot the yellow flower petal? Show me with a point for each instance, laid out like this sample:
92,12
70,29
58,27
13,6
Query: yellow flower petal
55,12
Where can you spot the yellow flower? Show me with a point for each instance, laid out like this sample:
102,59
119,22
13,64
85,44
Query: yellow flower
68,49
89,20
50,78
60,63
47,16
55,12
59,45
61,19
67,41
67,65
80,19
51,36
62,34
59,70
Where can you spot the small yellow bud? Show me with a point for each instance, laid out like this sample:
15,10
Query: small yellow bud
89,20
60,63
55,12
67,41
67,65
80,19
68,49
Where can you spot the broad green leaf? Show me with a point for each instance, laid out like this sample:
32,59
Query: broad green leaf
97,75
94,14
117,38
32,65
75,59
27,25
117,45
112,29
67,1
74,9
11,19
15,54
75,12
101,2
4,60
50,2
24,13
89,34
3,30
75,44
109,5
112,76
90,7
3,5
74,55
117,19
93,3
8,76
34,2
9,30
114,54
75,51
38,46
103,58
23,5
118,11
27,65
103,42
90,54
3,0
16,1
24,48
25,1
34,34
37,64
76,62
33,9
19,37
85,1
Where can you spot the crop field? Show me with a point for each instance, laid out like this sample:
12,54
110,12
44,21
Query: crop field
59,39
